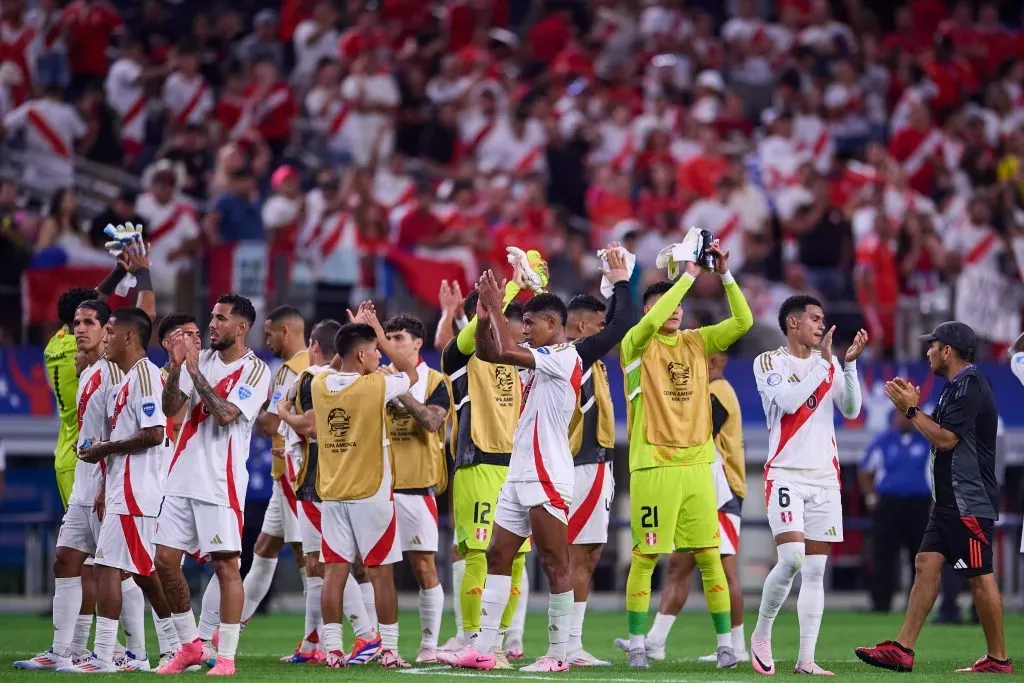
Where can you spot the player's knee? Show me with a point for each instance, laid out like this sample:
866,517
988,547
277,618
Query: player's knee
925,567
791,558
313,566
66,566
642,563
226,568
166,561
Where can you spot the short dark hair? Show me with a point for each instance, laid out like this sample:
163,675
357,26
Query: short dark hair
240,306
172,322
586,302
324,333
137,319
282,312
351,335
101,308
69,302
403,322
797,303
546,303
469,306
514,311
656,289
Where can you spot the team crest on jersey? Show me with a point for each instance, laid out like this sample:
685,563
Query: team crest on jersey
148,409
277,397
773,379
338,421
679,374
504,378
812,401
244,392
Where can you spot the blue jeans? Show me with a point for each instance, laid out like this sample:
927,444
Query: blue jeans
52,69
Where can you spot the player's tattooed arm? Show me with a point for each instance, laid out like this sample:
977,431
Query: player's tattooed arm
222,410
146,437
172,399
430,418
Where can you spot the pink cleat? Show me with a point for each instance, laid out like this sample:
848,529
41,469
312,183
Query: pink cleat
223,667
761,656
335,660
189,654
471,658
547,663
811,668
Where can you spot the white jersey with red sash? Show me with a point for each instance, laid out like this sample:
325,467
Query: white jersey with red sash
391,190
188,99
618,146
474,130
780,162
505,151
983,293
51,129
813,140
127,96
21,45
168,227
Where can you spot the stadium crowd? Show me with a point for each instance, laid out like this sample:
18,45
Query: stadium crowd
868,153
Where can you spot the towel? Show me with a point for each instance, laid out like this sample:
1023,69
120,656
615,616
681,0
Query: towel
688,250
606,286
121,239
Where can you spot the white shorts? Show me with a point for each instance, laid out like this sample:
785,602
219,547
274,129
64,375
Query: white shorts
729,530
199,528
417,522
309,526
814,511
367,529
517,498
594,489
80,529
282,518
126,543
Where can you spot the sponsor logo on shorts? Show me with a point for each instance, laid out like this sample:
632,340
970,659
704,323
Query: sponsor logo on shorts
831,532
216,539
960,564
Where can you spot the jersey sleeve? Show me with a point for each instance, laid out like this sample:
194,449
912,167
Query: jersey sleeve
770,375
284,378
557,361
719,415
439,397
1017,366
960,414
252,392
395,386
146,399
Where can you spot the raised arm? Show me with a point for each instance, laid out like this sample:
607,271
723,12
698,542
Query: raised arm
641,334
621,314
135,260
452,302
466,339
398,360
721,336
495,341
173,398
846,395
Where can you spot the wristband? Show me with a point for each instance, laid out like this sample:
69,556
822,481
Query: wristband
727,278
106,288
144,280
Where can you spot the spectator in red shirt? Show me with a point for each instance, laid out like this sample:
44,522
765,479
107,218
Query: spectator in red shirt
269,106
698,176
90,26
660,206
905,37
549,36
420,227
877,279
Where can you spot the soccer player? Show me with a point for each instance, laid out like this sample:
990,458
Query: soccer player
673,504
204,498
415,423
597,329
801,477
133,483
538,489
487,401
358,512
296,412
730,473
189,327
962,432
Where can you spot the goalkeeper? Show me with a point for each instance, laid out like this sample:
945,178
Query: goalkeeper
673,503
63,364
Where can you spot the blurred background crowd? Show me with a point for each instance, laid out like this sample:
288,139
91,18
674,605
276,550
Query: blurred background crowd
870,152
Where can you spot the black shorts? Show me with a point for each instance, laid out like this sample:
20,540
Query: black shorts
965,542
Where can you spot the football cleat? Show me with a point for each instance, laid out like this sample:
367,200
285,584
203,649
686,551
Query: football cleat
584,658
546,664
335,660
471,658
44,661
364,651
761,656
655,651
725,659
427,655
637,658
389,659
989,665
886,655
223,667
129,662
514,649
811,668
89,665
300,657
188,655
712,658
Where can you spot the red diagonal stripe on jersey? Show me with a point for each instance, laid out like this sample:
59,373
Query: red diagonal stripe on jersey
230,476
87,391
136,548
981,249
46,131
576,379
542,474
129,495
312,513
379,552
791,423
186,111
730,530
431,506
768,490
197,416
587,507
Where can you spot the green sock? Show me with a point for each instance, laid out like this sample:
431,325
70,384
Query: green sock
716,588
473,589
638,591
518,565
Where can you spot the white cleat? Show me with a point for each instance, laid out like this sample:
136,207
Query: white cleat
546,664
427,655
584,658
712,658
453,644
653,650
129,662
811,668
44,661
89,665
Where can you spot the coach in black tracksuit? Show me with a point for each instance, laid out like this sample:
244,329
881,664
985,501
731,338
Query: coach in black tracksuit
963,436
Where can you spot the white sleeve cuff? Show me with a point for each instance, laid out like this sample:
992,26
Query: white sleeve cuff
727,278
850,366
461,322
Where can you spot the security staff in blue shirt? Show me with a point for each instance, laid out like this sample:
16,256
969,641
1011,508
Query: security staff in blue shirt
895,479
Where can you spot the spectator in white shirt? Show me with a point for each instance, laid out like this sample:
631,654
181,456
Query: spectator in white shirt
315,39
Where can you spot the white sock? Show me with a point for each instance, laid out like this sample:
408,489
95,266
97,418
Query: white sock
776,587
332,638
166,635
559,619
106,637
579,611
257,583
314,618
355,609
185,625
370,603
67,603
458,571
497,589
80,641
660,628
515,629
810,604
209,616
739,639
499,642
389,637
431,606
303,577
228,643
133,617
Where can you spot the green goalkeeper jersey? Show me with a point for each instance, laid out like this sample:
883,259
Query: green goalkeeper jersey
60,372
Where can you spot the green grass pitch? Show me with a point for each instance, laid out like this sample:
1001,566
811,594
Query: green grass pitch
940,651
